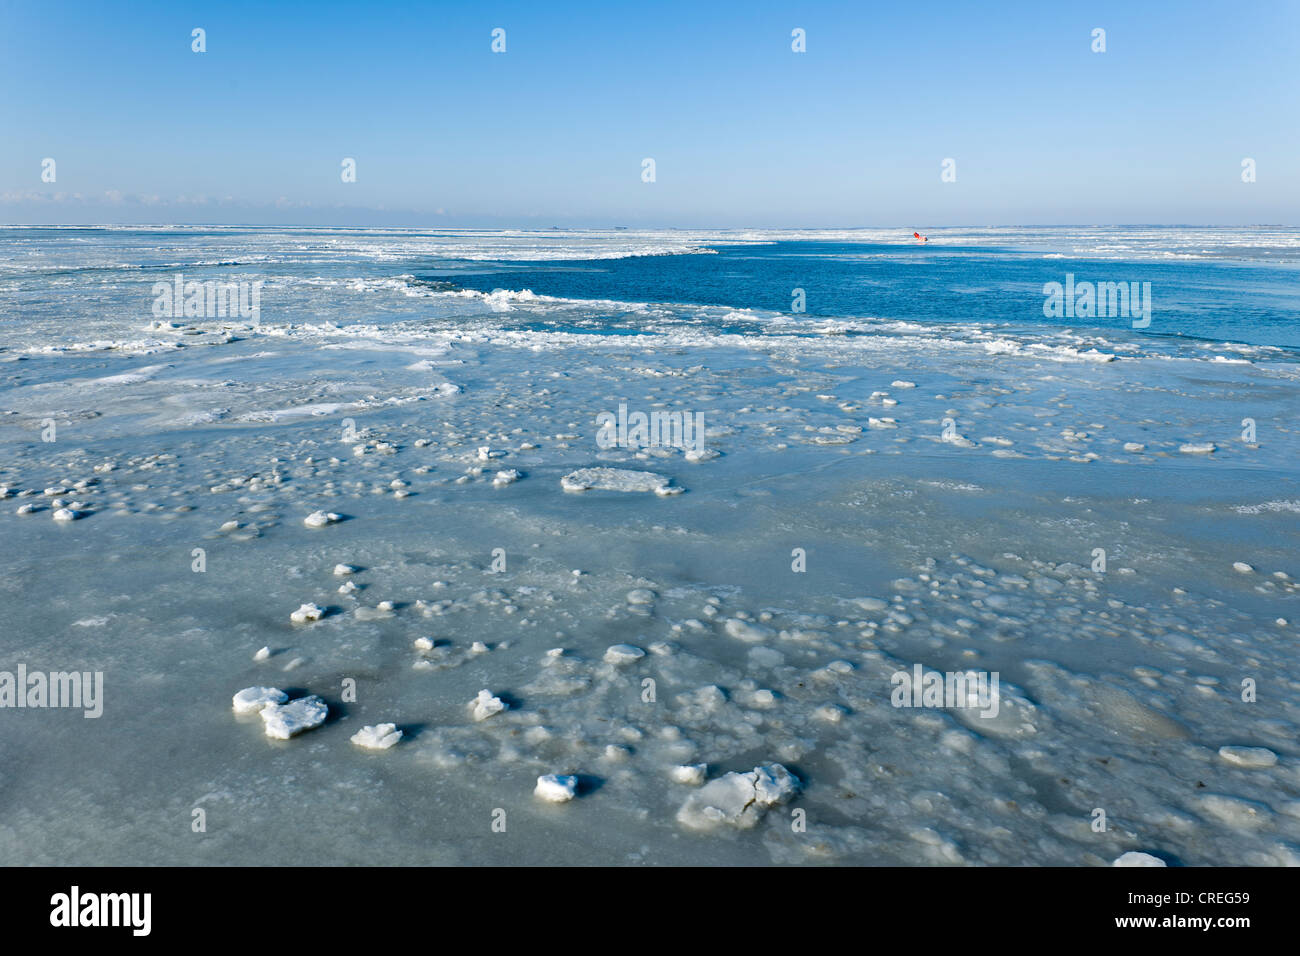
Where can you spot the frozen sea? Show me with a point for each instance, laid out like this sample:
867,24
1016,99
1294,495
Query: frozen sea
905,462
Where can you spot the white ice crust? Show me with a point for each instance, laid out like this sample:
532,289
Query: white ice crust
618,479
738,799
377,736
555,788
287,720
319,519
485,705
307,613
1136,858
251,700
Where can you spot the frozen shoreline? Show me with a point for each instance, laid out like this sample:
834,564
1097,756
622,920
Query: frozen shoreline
1121,688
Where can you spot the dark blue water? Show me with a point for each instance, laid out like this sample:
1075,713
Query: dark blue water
1239,301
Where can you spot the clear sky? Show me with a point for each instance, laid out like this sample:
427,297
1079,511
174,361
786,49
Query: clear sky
743,131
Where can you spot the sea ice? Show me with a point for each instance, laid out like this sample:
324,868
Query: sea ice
618,479
307,613
66,514
747,632
262,654
319,519
1136,858
623,654
1253,757
377,737
738,799
556,788
251,700
485,705
286,720
691,775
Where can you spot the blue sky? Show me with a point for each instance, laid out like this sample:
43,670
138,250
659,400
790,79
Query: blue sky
743,131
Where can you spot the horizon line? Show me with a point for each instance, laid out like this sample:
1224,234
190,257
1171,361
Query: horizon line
912,226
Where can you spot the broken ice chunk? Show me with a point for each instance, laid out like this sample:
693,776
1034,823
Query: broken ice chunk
307,613
287,720
738,799
690,774
1136,858
555,788
377,737
250,700
623,654
1252,757
618,479
319,519
744,631
485,705
701,454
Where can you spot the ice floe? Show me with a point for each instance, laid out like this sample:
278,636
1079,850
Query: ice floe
623,654
691,775
738,799
377,736
556,788
307,613
618,479
251,700
288,720
1253,757
485,705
